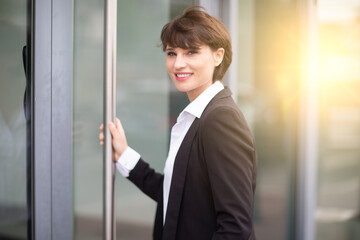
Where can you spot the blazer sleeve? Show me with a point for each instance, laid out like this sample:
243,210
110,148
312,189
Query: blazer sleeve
231,161
147,180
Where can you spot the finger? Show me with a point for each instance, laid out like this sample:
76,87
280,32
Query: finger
118,123
119,126
113,130
101,136
111,127
101,143
101,127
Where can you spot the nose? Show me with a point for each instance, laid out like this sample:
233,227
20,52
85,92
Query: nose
179,62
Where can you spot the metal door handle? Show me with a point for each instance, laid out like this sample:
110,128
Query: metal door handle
109,223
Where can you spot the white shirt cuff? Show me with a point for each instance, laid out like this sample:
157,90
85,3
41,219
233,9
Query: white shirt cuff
127,161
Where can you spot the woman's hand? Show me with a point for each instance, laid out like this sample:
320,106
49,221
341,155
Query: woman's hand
119,143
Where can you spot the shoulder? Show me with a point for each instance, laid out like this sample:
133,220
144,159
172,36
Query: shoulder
222,119
222,108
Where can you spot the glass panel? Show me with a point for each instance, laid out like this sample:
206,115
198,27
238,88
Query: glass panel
338,205
88,114
143,90
13,164
142,105
267,94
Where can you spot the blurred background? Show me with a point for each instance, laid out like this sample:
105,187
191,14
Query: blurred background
295,75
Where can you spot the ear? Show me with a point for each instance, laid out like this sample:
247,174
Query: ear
218,56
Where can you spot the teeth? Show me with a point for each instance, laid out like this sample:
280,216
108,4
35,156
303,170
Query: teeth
183,75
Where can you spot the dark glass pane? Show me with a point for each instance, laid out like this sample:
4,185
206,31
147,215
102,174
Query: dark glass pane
13,163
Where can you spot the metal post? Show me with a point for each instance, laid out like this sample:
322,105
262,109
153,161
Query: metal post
309,129
109,224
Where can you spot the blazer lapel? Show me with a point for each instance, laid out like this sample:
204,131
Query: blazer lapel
178,182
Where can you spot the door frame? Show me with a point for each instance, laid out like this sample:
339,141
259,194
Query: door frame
51,40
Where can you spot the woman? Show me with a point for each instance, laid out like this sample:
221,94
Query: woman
207,189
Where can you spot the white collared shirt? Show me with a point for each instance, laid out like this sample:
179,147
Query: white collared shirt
129,158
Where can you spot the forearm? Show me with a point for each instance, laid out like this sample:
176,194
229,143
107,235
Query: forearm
147,180
131,166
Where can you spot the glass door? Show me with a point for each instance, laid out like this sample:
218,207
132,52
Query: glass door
143,103
13,137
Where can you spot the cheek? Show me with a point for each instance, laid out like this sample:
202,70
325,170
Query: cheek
168,64
207,66
205,63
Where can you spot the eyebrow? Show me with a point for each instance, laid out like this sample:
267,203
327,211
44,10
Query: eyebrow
170,49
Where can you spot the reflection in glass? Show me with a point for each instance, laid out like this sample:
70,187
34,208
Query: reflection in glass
13,182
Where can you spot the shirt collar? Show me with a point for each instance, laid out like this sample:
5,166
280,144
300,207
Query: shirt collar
197,106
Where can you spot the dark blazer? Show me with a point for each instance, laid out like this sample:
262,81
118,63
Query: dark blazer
214,177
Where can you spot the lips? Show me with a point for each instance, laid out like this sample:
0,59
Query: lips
182,76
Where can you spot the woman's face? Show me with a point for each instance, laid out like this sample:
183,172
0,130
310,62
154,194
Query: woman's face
192,70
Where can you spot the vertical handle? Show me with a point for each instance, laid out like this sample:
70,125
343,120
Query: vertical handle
109,225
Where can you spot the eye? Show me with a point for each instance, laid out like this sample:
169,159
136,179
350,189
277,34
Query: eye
171,54
191,52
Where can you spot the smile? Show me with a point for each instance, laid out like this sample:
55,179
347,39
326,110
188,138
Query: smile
182,76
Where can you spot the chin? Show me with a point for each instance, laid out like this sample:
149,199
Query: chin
181,87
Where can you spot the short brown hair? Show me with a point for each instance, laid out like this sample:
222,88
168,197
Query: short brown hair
194,28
